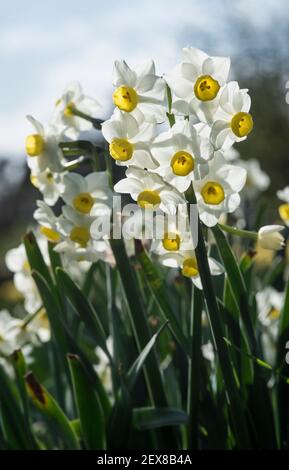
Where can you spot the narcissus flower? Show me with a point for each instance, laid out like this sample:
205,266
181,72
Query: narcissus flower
149,190
48,222
180,152
232,121
284,208
17,262
197,80
140,91
76,240
186,260
129,141
257,180
217,193
73,97
50,184
270,238
9,329
269,303
42,147
83,193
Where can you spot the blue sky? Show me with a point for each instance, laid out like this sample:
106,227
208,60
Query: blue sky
44,45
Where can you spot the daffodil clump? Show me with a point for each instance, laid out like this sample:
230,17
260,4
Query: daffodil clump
100,297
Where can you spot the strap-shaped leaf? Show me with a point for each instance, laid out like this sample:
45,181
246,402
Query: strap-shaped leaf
152,418
88,405
48,406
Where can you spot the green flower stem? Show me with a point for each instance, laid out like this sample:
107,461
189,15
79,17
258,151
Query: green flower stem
194,372
170,115
238,232
94,121
235,404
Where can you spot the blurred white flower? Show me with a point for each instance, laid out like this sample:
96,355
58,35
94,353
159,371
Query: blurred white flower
9,329
140,91
186,260
42,148
129,140
48,183
217,193
257,180
17,262
270,238
269,305
284,208
180,152
73,97
102,367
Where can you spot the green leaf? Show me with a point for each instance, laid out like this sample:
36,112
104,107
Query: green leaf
237,285
152,418
195,368
20,369
82,307
35,257
15,427
88,405
48,406
135,369
53,311
158,291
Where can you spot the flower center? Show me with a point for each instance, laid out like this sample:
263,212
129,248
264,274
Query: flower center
182,163
274,314
49,177
190,267
80,235
121,149
68,111
284,212
34,180
83,203
206,88
148,199
171,241
213,193
125,98
242,124
50,234
34,145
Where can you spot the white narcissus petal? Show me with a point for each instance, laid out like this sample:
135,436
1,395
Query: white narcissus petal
216,268
74,184
192,54
209,219
111,129
36,124
123,75
221,67
197,282
72,91
220,133
128,185
15,258
96,180
146,68
152,112
283,194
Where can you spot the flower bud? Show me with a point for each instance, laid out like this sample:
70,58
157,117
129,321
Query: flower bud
270,238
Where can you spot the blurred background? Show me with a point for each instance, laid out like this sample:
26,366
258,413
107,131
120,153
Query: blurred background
44,45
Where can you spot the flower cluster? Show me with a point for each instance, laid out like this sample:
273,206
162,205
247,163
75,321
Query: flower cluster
174,135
